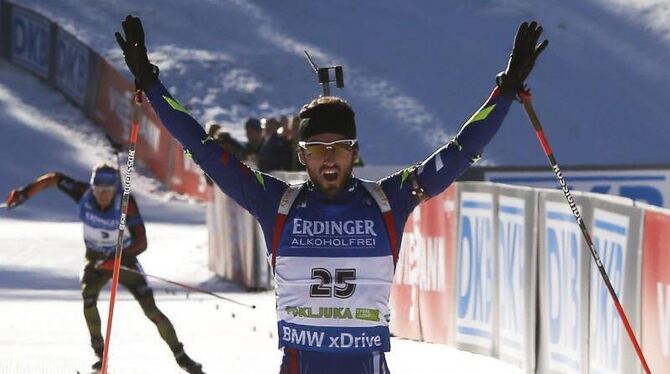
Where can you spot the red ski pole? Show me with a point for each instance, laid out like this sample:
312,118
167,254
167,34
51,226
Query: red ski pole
526,98
134,129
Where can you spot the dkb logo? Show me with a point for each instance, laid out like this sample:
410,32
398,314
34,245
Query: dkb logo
610,237
30,41
475,268
512,284
563,278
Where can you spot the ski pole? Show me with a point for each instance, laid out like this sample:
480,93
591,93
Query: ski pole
134,129
526,99
192,288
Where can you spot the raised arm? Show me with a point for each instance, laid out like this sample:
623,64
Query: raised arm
438,171
253,190
73,188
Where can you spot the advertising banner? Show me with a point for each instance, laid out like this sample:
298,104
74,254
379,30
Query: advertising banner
73,62
616,231
563,275
30,41
113,102
517,271
651,186
154,143
656,290
476,268
433,229
404,301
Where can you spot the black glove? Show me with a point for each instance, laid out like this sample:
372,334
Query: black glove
521,61
135,53
17,197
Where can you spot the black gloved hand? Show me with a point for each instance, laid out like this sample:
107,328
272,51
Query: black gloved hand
135,53
521,61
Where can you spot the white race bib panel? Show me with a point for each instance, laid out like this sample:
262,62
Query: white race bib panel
101,229
333,272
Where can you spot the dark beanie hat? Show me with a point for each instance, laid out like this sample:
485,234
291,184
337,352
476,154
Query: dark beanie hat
327,114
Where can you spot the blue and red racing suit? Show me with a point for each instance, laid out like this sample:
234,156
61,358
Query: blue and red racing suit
333,258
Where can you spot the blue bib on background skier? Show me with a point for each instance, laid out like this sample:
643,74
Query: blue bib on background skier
101,229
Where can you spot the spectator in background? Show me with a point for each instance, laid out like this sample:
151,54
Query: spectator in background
254,139
275,153
291,135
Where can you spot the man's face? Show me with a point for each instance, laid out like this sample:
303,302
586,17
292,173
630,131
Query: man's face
329,167
103,195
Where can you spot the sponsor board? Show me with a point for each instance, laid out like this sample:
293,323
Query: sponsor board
435,232
475,271
404,300
422,293
610,237
72,74
30,41
649,186
113,103
656,290
562,304
514,282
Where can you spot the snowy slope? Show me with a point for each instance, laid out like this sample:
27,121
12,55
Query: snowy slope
413,70
42,132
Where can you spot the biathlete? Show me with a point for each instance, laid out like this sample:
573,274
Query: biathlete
333,241
99,204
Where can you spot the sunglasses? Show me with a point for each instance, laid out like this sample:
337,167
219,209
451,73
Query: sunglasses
318,149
